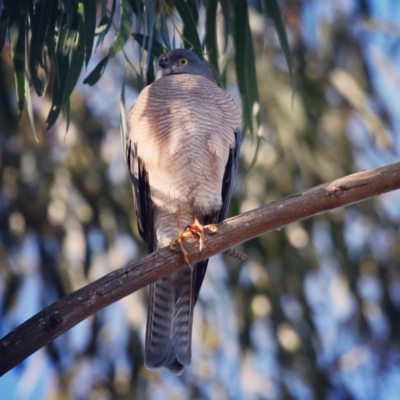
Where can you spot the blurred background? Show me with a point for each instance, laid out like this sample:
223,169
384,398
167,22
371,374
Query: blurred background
314,311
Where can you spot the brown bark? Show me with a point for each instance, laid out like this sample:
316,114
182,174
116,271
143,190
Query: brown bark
72,309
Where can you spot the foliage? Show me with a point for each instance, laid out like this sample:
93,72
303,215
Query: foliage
63,34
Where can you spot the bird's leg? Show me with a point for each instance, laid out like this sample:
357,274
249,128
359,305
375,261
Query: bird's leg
198,229
179,239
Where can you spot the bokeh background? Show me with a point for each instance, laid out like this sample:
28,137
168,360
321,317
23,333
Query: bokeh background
314,311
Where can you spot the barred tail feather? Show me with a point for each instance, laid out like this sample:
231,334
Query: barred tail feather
170,320
158,345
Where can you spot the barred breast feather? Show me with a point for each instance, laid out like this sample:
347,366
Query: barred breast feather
184,127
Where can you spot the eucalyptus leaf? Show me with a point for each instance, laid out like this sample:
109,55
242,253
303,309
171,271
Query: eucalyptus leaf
136,6
18,43
150,18
124,29
62,69
97,72
4,21
122,112
109,19
191,38
164,29
90,27
211,34
66,108
68,10
271,9
156,49
39,26
77,60
226,8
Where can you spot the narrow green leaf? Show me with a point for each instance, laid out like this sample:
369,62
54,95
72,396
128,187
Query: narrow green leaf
30,10
245,65
164,29
89,8
251,78
150,74
192,5
109,22
271,9
97,72
136,6
104,19
30,109
124,30
150,18
224,76
62,68
70,56
28,96
77,60
192,37
123,111
226,12
39,26
140,81
217,75
66,108
58,89
102,25
68,10
4,21
239,37
156,49
50,41
18,43
211,34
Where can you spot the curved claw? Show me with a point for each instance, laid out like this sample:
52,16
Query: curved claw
198,229
179,240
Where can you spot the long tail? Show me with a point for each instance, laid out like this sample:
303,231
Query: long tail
170,320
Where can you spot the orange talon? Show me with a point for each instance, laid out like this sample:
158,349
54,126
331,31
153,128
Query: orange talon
179,240
198,229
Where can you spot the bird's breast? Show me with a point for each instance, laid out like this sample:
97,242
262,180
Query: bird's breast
184,127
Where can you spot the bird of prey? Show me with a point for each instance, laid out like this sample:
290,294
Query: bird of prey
182,149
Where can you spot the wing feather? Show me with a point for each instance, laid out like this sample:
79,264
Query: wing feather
141,192
227,182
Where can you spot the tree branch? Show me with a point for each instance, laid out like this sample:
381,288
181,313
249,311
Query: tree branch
74,308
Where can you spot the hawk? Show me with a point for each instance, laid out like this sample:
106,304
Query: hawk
182,149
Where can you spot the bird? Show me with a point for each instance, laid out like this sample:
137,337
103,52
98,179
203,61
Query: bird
182,148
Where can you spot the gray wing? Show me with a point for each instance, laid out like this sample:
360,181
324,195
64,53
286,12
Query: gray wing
227,182
141,192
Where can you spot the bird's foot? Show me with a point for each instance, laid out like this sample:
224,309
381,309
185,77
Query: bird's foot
198,230
179,239
193,230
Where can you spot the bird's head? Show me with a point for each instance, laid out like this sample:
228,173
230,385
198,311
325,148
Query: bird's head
182,61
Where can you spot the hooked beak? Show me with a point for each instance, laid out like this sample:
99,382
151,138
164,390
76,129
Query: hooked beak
163,63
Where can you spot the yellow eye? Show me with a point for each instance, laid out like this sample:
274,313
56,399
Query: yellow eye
183,61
